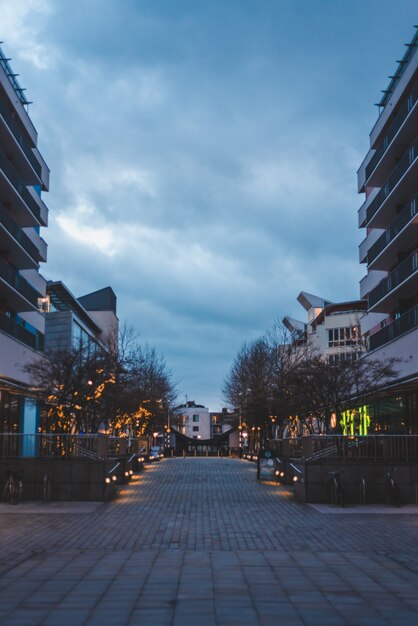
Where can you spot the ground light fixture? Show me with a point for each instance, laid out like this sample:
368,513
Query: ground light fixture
107,480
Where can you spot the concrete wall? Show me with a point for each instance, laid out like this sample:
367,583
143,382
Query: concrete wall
76,479
316,488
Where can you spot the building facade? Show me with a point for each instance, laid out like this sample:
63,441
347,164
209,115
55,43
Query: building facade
194,420
388,178
84,323
24,177
332,330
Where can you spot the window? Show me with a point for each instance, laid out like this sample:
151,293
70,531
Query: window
347,336
195,418
195,429
342,357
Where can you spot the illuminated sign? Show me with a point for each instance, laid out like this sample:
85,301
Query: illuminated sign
355,421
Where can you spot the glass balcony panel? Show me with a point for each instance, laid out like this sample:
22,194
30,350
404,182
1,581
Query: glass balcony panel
12,276
407,267
398,327
408,212
18,234
12,328
20,138
399,170
17,183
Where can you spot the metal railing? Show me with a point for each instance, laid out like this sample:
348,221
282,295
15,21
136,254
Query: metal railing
12,276
15,180
401,272
398,171
407,321
408,212
12,328
366,447
64,446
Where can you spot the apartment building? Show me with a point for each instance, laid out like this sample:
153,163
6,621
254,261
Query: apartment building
194,420
24,177
388,178
332,330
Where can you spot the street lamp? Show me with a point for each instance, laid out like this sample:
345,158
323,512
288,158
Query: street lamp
241,393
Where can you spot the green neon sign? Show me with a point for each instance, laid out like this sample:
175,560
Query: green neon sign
355,421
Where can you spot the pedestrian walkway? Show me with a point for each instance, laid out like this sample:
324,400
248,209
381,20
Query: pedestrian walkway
197,542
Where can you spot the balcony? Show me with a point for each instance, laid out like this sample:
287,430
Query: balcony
403,324
24,289
397,173
12,328
394,279
18,234
15,181
393,129
407,215
17,133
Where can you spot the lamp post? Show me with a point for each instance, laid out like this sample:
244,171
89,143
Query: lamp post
241,394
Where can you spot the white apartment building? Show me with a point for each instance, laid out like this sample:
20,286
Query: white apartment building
332,330
194,420
24,177
388,177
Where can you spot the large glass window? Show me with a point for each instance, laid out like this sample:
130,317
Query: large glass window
346,336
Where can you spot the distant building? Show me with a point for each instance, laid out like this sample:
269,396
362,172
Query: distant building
24,177
194,420
84,322
332,329
388,177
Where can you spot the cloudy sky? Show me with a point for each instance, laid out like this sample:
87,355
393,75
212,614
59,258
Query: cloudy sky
203,156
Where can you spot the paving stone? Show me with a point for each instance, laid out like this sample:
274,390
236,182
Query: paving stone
199,542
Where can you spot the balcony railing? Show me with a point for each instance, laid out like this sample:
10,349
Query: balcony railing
18,135
64,446
401,116
348,447
17,183
12,328
399,170
405,269
18,234
12,276
408,212
406,322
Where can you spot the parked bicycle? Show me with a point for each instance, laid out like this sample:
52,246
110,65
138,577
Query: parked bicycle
392,489
13,488
337,494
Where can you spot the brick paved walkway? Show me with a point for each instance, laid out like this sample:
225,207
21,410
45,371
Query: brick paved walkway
197,542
